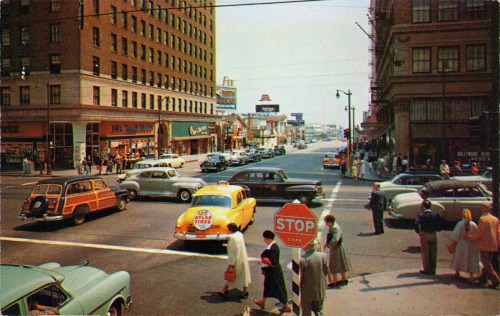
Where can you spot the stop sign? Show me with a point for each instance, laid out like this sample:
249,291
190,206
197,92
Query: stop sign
296,225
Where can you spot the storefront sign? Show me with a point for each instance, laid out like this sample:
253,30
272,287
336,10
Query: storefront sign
119,129
189,129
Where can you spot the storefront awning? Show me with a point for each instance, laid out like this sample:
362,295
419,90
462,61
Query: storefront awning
377,132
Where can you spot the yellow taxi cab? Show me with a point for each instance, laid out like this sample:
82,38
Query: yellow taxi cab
212,208
331,160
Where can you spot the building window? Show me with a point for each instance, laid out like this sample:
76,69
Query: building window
96,66
151,78
124,46
476,10
114,43
5,95
25,35
124,72
6,67
134,74
421,60
151,55
134,49
26,65
134,24
134,100
97,95
125,98
95,37
24,95
114,97
159,76
143,100
476,58
447,10
95,6
112,15
143,28
143,52
421,10
151,32
55,33
151,101
25,7
449,58
114,69
55,94
124,20
5,37
143,76
55,5
158,57
55,64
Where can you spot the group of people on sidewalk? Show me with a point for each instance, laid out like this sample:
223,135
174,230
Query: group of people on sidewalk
317,270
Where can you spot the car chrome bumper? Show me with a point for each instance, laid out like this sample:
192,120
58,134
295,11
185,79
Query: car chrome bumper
128,303
395,215
45,218
218,237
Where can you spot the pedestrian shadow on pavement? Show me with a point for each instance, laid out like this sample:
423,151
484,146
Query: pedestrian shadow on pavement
412,249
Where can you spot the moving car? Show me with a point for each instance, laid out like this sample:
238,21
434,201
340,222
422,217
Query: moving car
239,157
214,162
331,160
269,184
173,160
161,182
485,178
139,166
71,290
71,198
448,198
404,183
279,150
266,152
212,209
254,155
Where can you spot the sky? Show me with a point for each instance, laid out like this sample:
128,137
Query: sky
299,54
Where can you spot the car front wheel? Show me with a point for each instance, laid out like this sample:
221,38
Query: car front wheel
122,204
114,310
132,194
185,196
304,199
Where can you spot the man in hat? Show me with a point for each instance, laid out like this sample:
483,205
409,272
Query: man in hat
313,271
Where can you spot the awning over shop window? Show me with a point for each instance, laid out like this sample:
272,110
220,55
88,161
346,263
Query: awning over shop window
377,132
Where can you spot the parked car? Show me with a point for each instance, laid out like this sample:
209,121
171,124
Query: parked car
214,162
71,290
269,184
301,145
71,198
161,182
279,150
227,154
485,178
239,157
448,198
254,155
331,160
139,166
173,160
212,209
266,153
404,183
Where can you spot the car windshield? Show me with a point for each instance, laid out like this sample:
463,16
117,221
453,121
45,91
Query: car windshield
142,165
487,174
211,200
213,158
166,157
52,189
282,174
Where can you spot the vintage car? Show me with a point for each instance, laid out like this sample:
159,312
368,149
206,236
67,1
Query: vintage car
448,198
173,160
485,178
239,157
331,160
71,198
269,184
266,153
212,209
71,290
214,162
161,182
279,150
139,166
405,182
254,155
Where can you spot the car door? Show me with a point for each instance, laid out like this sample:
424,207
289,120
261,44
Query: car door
146,186
470,198
273,186
256,184
105,198
447,199
160,181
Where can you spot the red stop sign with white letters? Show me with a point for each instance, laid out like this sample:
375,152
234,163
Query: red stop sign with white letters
296,225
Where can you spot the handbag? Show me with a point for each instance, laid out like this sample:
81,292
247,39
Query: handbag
451,247
230,275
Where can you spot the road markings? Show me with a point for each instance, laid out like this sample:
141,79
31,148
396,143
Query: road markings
119,248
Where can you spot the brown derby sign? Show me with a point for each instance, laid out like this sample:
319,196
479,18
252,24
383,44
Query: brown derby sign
296,225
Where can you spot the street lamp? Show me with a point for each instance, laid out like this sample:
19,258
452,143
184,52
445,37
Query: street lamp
349,143
159,122
47,143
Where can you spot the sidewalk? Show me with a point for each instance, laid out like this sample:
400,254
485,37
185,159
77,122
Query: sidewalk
411,293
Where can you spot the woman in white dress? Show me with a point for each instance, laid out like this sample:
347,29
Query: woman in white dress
466,255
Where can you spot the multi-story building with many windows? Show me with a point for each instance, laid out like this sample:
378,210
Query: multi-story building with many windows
106,77
435,76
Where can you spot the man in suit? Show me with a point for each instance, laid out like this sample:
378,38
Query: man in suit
487,238
313,271
378,201
427,224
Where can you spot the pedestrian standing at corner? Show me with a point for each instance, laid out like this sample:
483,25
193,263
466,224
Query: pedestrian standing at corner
427,224
487,239
313,273
338,262
444,169
354,169
238,262
343,166
378,202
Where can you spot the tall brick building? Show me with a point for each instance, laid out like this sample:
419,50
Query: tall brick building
104,74
417,108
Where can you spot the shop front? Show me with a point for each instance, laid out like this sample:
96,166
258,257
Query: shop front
190,138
